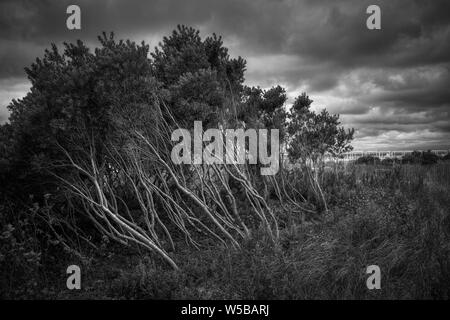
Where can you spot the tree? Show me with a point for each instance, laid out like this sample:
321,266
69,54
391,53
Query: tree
6,145
264,108
78,95
200,77
312,135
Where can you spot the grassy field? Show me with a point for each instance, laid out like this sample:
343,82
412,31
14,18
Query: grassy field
396,217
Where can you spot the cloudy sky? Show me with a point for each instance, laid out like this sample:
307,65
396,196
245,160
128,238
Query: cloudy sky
391,85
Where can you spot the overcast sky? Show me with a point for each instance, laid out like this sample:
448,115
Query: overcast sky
391,85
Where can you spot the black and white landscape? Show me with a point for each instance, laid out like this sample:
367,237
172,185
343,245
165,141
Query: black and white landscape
224,149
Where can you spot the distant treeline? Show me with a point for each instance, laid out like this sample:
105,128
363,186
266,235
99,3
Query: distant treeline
416,157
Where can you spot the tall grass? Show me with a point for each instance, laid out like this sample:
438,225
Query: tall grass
396,217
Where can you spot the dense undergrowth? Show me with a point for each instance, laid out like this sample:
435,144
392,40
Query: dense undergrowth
396,217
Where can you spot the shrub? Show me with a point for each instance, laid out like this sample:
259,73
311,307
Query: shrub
418,157
368,160
389,161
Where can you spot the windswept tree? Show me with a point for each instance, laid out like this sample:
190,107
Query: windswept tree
95,132
313,135
95,128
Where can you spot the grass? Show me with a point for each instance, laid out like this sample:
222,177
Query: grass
395,217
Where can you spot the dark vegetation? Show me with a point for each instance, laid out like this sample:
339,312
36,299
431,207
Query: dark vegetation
86,179
368,159
416,157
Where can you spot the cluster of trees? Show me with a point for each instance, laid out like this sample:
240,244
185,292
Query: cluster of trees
95,129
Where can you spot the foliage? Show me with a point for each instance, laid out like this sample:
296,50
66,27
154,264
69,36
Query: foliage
390,161
314,134
264,108
26,249
421,157
75,96
368,159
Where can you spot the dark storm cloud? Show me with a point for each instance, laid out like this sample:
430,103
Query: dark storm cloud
332,31
382,82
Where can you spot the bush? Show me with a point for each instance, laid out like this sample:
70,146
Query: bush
368,160
418,157
389,161
446,157
21,252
